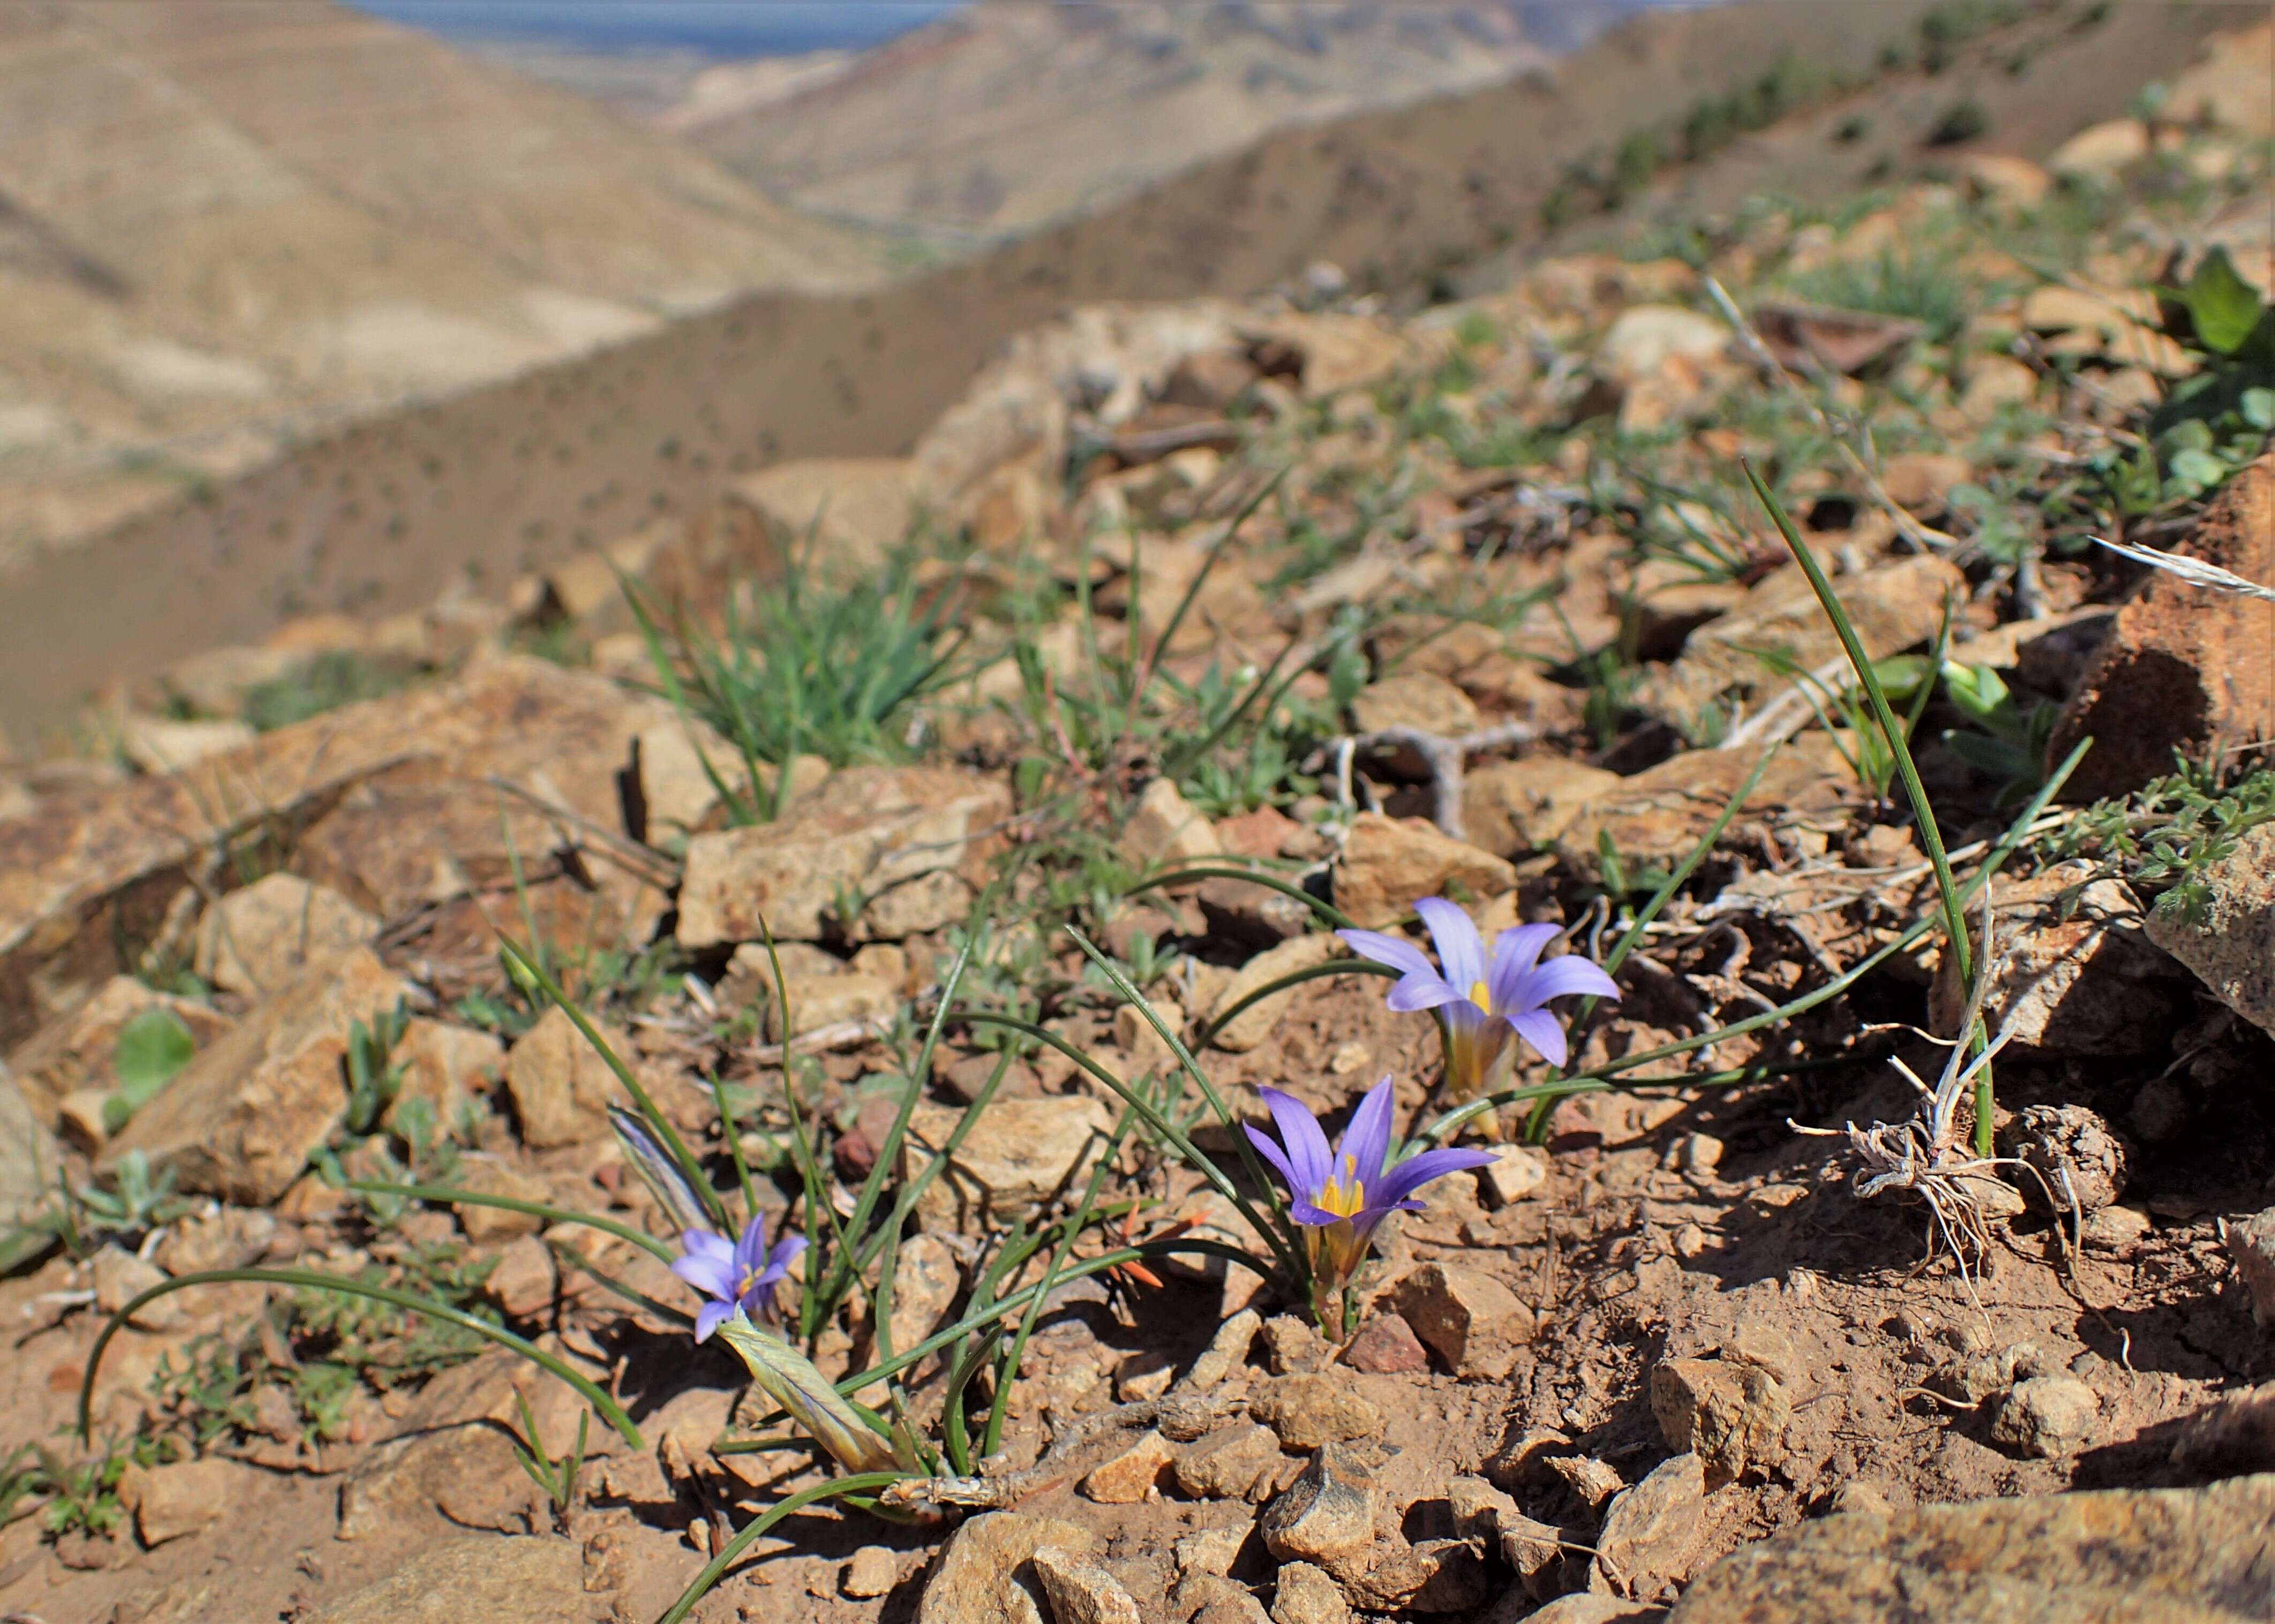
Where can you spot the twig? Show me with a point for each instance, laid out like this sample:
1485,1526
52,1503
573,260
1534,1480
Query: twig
1447,758
2194,571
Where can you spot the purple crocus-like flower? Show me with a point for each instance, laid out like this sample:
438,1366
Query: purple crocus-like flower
1340,1194
736,1276
1482,997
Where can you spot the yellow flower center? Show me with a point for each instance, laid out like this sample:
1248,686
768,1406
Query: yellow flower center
749,1279
1481,997
1344,1197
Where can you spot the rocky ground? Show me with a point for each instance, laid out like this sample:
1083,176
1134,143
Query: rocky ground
1475,604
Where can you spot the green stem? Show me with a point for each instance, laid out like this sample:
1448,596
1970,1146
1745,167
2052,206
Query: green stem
858,1482
1955,912
310,1280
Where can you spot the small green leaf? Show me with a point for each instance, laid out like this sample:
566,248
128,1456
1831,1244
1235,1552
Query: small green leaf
2259,408
2223,306
151,1047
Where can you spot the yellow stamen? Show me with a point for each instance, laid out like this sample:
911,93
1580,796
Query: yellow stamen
1481,997
750,1278
1344,1197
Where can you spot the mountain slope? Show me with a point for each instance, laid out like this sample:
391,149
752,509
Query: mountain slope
1008,114
223,222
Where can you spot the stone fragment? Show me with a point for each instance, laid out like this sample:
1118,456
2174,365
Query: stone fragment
1515,1172
863,832
120,1276
1327,1517
1221,1601
2048,1416
1211,1549
1385,1346
1513,809
530,1580
2152,1556
78,1051
1583,1607
1993,382
1255,1024
1130,1477
1302,1593
1165,831
925,1280
1018,1153
1429,1575
837,1000
1659,815
2231,949
1314,1408
849,511
2252,1244
2083,1161
1653,1532
985,1574
1644,338
1387,864
928,902
2071,971
1251,913
184,1498
484,1175
1594,1481
1893,605
159,745
2229,1437
1080,1592
450,1067
261,936
872,1571
1731,1416
241,1119
468,1472
1418,701
1228,1462
559,1086
2115,1228
1292,1344
1226,1352
522,1281
2184,667
231,1238
1923,479
1698,1154
1470,1319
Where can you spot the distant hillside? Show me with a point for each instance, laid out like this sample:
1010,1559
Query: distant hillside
509,477
226,222
1009,114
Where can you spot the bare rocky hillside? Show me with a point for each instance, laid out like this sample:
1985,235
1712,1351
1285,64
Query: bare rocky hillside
1006,115
505,478
226,225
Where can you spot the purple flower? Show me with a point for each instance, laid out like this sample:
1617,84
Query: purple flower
1482,997
1340,1195
737,1277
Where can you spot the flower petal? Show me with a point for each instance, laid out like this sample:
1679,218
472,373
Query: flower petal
1545,1033
1416,1171
787,1251
713,1277
703,1243
751,1246
1313,1217
1515,951
1366,1141
1560,978
1400,955
1308,1159
1271,1152
1460,948
1430,992
714,1316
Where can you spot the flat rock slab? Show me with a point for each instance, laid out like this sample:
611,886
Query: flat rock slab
240,1120
2185,667
2154,1556
514,1581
